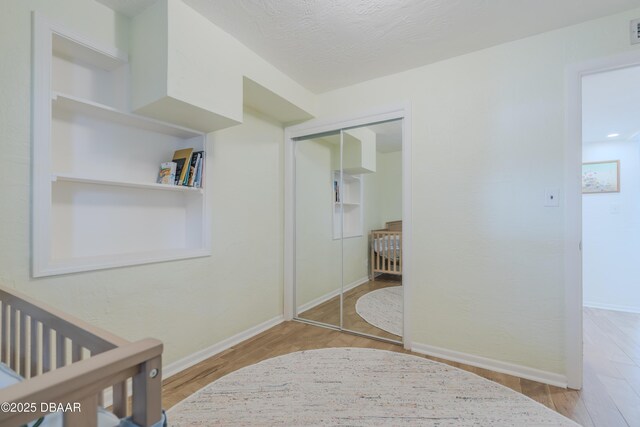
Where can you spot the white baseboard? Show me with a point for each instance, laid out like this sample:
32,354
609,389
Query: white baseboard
614,307
533,374
197,357
326,297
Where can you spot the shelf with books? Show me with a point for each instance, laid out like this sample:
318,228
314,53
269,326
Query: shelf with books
150,186
347,212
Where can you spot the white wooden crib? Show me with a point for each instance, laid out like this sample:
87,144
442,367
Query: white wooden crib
386,250
65,361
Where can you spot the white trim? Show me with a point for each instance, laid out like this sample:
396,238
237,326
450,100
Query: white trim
42,33
573,232
197,357
407,226
289,226
40,151
326,297
573,205
613,307
316,126
526,372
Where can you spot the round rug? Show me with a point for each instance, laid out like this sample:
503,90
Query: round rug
382,308
358,387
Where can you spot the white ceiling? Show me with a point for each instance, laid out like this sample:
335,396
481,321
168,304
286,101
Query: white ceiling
327,44
611,104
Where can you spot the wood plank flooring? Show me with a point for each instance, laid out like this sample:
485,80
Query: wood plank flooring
329,311
610,396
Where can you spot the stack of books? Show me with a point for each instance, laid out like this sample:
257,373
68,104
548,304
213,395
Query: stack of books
185,169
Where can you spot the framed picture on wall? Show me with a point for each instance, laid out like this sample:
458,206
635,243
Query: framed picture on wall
601,177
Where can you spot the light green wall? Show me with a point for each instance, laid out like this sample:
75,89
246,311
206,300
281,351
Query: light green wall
488,135
189,304
388,181
318,255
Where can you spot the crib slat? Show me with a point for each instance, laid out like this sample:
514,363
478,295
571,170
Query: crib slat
371,258
383,256
61,350
378,252
395,260
119,407
100,397
392,263
387,265
13,337
392,253
400,252
87,417
23,359
33,348
385,252
76,352
46,348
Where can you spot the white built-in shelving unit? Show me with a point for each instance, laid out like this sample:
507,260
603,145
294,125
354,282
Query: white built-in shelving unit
347,205
96,203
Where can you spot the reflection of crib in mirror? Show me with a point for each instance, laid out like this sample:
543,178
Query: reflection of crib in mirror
386,250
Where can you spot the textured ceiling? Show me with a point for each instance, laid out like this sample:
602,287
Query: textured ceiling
610,105
327,44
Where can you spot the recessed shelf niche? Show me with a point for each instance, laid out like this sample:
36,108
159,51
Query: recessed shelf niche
96,203
347,198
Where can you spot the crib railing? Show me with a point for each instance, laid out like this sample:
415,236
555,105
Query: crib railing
65,360
386,252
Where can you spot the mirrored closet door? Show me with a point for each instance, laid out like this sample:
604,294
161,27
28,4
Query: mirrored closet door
348,243
318,231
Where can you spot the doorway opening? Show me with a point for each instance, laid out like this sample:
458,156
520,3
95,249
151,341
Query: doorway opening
576,75
611,231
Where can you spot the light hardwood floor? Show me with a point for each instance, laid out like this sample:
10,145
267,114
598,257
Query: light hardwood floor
610,397
329,311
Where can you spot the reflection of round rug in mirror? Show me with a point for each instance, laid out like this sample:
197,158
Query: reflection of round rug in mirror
358,387
382,308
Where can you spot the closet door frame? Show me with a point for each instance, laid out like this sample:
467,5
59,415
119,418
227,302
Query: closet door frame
318,126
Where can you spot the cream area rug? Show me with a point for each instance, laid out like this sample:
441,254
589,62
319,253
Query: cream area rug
358,387
382,308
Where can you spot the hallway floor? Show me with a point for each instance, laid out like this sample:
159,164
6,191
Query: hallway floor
611,389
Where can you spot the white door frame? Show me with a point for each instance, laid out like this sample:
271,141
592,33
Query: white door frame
317,126
573,203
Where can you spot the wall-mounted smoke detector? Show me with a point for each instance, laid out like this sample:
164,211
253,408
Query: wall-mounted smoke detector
635,31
